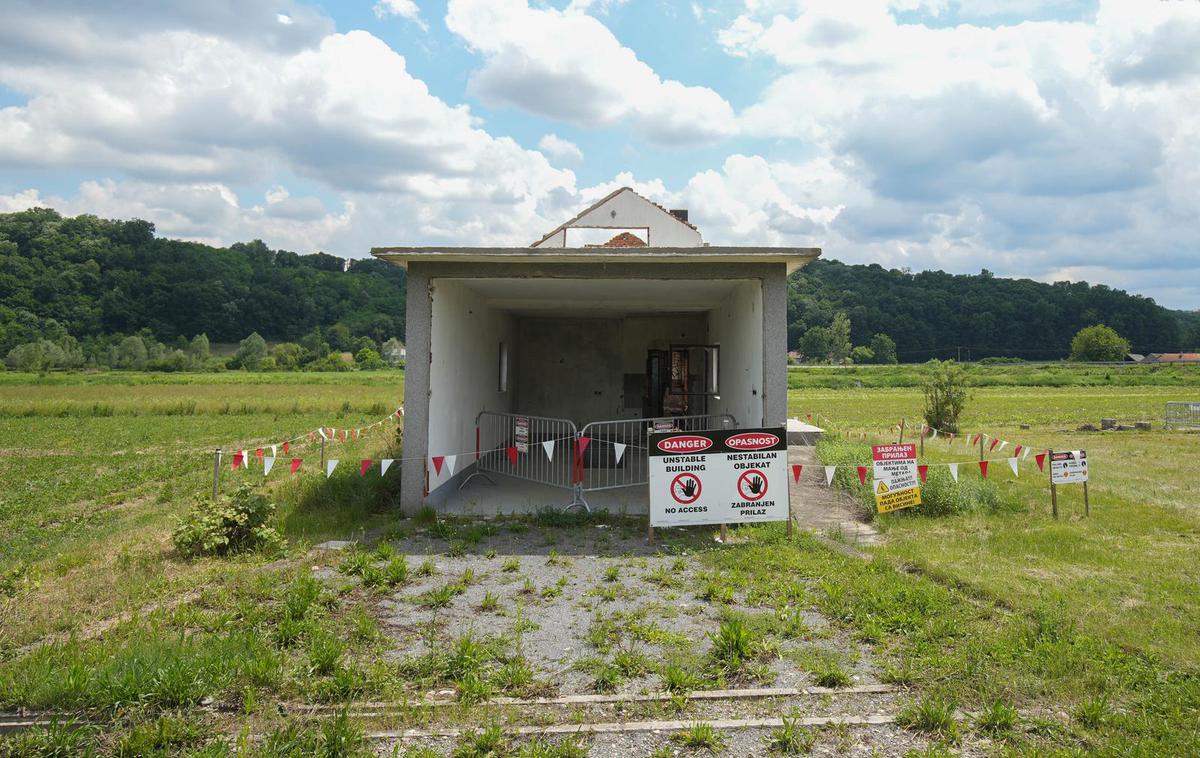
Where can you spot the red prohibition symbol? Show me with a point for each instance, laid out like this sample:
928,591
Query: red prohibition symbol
752,484
685,488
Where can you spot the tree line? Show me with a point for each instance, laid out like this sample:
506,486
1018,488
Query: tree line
85,291
933,314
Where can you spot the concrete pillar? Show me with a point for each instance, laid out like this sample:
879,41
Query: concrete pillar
774,355
418,319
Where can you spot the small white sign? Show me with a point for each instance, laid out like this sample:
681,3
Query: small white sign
1068,467
522,434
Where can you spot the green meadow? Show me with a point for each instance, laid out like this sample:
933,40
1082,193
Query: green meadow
981,602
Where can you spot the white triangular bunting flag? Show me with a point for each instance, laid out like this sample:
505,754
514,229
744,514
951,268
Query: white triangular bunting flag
954,471
829,471
619,449
1012,463
330,465
383,465
246,458
268,462
450,464
273,451
321,431
548,446
1002,445
934,435
1025,454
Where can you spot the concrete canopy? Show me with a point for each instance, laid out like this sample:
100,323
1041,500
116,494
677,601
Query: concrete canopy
598,297
793,257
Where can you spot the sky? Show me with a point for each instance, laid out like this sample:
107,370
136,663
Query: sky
1055,140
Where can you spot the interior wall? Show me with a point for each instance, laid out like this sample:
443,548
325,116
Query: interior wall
736,326
576,367
464,370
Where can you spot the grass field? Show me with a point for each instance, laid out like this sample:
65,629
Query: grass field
1087,626
99,468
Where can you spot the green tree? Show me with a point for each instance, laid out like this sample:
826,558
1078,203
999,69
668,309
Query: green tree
862,354
814,345
288,355
839,338
883,348
945,390
251,352
130,353
199,348
368,359
1098,343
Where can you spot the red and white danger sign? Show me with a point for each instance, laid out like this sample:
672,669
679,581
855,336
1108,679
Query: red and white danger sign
718,477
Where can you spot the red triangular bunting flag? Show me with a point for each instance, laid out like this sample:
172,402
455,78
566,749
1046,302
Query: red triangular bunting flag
237,460
1041,461
922,471
312,436
437,464
581,444
341,435
983,468
295,464
862,474
1017,450
397,413
285,448
796,469
993,445
259,453
364,466
512,455
353,434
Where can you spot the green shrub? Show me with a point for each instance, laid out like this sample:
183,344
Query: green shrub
230,525
945,389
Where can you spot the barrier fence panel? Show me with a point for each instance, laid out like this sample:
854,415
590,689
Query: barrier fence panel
615,454
1183,415
514,444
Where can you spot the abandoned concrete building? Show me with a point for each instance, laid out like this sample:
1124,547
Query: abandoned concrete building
541,369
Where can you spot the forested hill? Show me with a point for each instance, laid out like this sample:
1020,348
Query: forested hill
95,279
935,314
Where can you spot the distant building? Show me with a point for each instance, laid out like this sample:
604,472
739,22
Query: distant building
1172,358
1134,357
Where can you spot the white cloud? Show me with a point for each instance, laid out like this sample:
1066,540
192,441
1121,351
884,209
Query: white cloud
569,66
403,8
560,148
1028,148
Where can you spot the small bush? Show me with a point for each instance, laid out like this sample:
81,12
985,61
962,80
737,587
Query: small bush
791,738
231,525
945,389
700,736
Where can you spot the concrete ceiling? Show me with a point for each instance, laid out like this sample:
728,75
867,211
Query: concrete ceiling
600,297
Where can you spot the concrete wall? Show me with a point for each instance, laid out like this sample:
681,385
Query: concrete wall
736,325
420,312
575,367
464,371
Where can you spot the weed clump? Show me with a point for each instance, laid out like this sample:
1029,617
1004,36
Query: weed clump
230,525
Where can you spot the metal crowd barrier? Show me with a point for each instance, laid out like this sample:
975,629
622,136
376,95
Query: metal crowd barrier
614,455
496,433
605,464
1182,415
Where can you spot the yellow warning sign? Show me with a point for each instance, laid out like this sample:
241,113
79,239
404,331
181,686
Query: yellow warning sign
893,500
882,488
